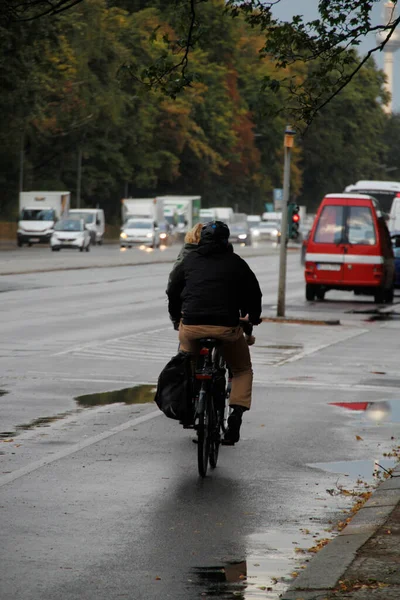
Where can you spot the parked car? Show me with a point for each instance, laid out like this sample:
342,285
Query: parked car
70,233
140,232
266,231
350,249
240,234
303,250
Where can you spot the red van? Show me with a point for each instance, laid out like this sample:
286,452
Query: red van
349,249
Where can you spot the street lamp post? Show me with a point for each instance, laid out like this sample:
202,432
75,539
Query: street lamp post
288,145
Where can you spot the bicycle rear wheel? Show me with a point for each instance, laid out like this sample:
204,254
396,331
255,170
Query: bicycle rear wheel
203,433
215,435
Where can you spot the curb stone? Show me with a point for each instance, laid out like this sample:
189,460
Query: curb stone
326,569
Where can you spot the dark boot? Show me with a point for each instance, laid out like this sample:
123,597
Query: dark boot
232,434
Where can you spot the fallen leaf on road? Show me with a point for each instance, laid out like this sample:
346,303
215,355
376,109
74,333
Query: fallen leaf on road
359,438
158,578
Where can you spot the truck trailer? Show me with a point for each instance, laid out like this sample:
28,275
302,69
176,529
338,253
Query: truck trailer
182,211
146,208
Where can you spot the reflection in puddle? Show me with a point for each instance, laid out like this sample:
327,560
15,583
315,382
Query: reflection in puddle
384,411
266,572
140,394
357,469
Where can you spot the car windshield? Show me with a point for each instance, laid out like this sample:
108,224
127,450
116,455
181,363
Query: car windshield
87,217
269,225
68,225
133,224
238,228
32,214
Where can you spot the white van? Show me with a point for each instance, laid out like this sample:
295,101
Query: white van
94,222
394,215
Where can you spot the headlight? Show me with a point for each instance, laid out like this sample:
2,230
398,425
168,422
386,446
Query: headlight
242,236
256,232
274,233
123,235
163,236
149,235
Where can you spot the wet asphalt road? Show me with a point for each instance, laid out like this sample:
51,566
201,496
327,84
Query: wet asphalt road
105,502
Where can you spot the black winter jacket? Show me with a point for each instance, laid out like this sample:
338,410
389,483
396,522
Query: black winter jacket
213,286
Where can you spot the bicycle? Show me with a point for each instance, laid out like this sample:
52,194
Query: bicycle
211,391
209,399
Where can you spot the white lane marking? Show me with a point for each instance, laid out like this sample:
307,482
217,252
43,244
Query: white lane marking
8,478
118,340
315,349
328,385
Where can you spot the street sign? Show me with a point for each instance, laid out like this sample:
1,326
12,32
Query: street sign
278,198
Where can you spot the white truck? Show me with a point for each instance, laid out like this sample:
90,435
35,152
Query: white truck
224,213
38,213
207,214
94,221
182,211
146,208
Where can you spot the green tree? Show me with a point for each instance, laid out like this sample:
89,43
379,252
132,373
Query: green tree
345,142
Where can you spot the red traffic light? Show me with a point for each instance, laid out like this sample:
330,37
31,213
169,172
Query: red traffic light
295,218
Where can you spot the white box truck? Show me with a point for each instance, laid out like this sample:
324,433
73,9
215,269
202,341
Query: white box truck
38,213
146,208
224,213
185,210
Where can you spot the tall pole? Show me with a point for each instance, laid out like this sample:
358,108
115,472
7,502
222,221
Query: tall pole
288,145
79,179
21,162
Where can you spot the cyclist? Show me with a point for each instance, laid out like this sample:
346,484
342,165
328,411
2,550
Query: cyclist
191,241
209,293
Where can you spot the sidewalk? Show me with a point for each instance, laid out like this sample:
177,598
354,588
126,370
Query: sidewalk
363,561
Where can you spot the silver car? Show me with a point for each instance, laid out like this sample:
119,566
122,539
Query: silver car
267,231
70,233
139,232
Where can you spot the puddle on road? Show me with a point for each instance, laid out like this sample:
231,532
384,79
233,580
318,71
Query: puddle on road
383,411
140,394
366,470
266,571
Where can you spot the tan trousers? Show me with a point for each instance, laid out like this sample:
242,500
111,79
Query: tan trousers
234,350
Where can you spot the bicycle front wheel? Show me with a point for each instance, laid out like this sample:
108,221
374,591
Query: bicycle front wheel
203,433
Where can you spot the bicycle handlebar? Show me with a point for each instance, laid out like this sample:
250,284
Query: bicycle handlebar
247,327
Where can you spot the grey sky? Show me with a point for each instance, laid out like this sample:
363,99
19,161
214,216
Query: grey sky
309,9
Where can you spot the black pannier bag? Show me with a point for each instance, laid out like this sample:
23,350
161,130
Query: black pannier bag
173,396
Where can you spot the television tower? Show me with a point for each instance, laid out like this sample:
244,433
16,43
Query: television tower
390,48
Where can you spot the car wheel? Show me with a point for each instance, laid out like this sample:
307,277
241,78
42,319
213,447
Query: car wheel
379,296
19,244
310,292
88,248
55,249
81,249
389,296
